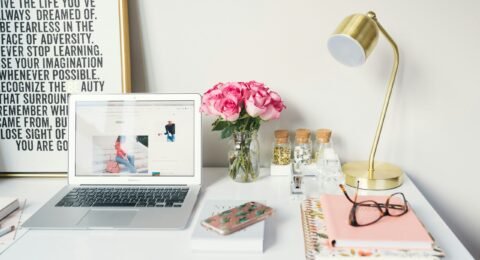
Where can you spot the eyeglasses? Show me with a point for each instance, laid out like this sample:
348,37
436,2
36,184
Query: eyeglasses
368,212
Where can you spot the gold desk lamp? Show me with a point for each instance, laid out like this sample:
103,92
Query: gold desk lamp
351,44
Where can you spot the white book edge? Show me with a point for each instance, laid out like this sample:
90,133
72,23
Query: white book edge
7,206
209,246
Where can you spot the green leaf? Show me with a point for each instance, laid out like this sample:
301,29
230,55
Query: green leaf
225,213
260,212
217,120
244,116
241,213
227,132
241,206
242,219
219,125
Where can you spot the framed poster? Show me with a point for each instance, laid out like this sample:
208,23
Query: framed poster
48,49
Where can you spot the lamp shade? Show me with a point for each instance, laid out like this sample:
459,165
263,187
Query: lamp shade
354,40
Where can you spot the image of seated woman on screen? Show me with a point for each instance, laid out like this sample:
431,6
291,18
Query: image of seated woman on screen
122,157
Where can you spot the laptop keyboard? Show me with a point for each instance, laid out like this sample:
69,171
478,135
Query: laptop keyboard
124,197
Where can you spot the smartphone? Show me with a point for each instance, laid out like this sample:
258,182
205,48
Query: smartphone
237,218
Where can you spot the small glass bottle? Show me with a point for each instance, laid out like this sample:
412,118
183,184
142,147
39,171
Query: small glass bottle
302,152
326,158
282,150
322,142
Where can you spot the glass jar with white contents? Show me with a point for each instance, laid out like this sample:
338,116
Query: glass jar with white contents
302,151
327,162
326,157
322,145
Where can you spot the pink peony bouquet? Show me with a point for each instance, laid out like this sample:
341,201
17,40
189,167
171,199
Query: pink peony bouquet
241,106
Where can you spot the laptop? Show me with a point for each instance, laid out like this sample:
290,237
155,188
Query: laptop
134,163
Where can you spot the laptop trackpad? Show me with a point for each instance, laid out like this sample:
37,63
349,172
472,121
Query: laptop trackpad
107,218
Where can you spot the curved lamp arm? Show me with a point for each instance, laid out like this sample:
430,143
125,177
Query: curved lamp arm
391,81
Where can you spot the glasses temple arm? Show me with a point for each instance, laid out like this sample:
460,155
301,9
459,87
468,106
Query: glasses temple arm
345,193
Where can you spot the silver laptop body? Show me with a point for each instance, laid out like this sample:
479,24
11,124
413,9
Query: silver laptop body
130,156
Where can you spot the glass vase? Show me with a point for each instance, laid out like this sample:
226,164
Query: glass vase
244,156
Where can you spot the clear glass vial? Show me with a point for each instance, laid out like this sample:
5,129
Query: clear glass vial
282,148
302,151
327,160
322,145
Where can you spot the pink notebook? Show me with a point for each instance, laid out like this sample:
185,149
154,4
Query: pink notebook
405,232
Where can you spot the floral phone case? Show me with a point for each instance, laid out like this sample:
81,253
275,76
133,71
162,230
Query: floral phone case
237,218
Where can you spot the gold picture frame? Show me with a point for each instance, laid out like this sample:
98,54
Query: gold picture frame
125,82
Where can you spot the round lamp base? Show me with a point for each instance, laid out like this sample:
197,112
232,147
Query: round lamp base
386,176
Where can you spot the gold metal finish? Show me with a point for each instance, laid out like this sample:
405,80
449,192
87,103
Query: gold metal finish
391,81
125,46
386,176
371,175
126,79
361,28
34,175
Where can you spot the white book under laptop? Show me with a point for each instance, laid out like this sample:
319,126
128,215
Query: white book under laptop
247,240
134,162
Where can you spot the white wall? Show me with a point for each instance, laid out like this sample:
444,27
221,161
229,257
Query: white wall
432,128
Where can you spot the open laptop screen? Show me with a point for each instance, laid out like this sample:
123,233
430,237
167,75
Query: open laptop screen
134,138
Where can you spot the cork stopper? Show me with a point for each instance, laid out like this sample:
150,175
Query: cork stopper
302,135
281,136
323,135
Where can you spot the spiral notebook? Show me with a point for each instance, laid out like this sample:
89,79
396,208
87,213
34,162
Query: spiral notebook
317,244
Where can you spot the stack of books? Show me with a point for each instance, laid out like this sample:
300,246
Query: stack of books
328,234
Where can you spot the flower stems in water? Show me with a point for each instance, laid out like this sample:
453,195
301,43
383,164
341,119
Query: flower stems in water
241,161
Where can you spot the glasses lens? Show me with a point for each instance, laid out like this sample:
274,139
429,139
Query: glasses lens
367,212
397,205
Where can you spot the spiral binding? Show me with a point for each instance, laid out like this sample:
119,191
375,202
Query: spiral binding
309,228
312,240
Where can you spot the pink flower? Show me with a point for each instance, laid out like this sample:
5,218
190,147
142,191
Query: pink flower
224,99
260,101
230,109
257,98
228,100
255,86
274,108
233,90
210,100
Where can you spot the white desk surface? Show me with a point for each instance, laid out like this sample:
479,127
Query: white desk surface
283,232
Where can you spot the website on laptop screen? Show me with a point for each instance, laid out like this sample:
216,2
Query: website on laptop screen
134,138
